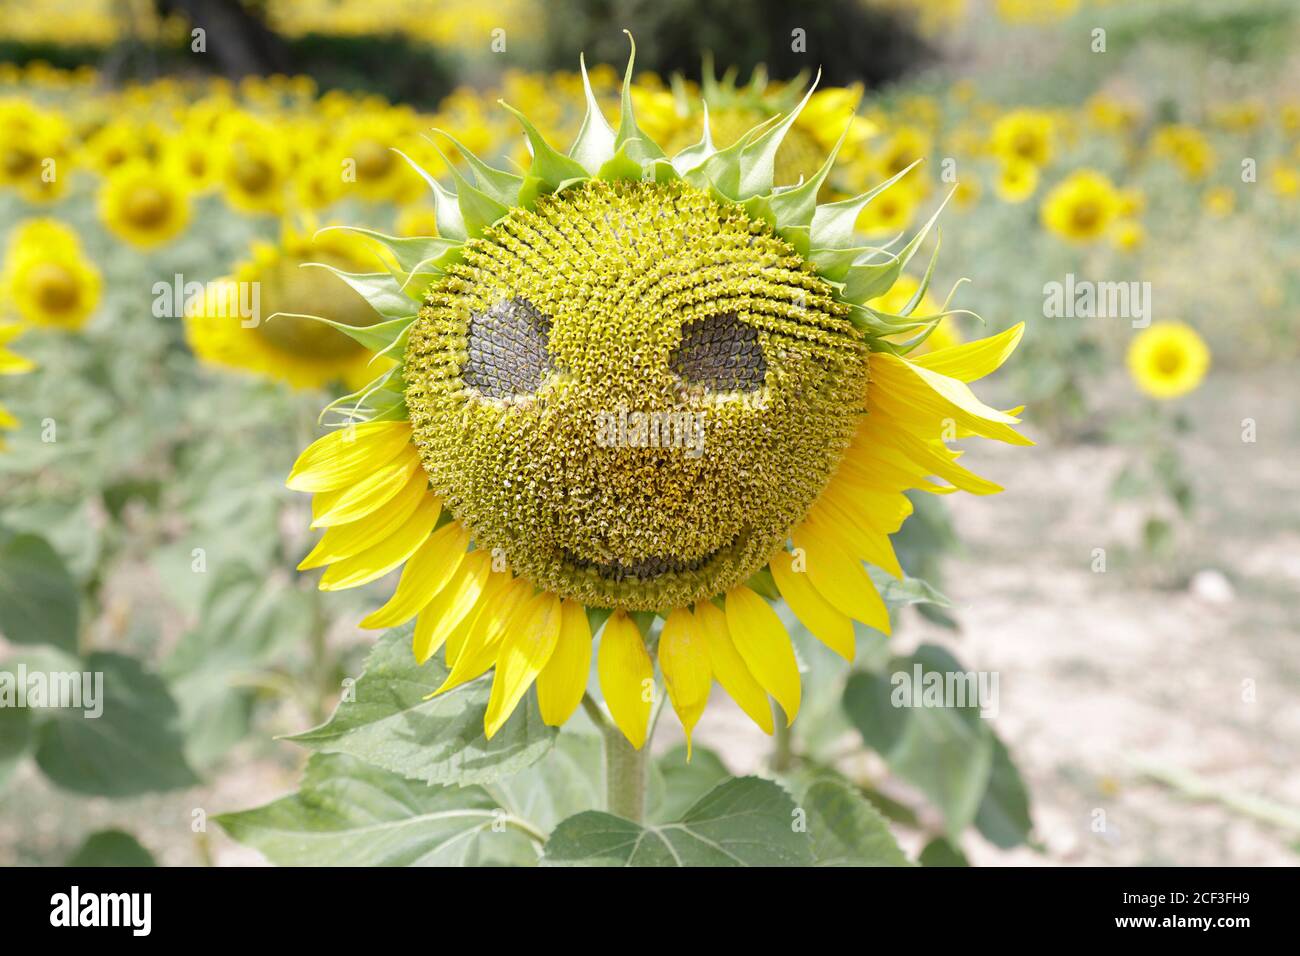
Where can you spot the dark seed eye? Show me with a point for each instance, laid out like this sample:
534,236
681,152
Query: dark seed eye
722,353
507,349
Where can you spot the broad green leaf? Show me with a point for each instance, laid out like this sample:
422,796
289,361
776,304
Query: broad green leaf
567,781
846,830
1003,816
38,598
350,813
111,848
134,746
944,751
940,852
683,782
743,822
439,740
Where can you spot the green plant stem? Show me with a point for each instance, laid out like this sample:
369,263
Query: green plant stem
782,750
625,776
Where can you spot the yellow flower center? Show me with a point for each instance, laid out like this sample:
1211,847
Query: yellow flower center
1169,360
253,175
1086,215
373,159
54,287
147,207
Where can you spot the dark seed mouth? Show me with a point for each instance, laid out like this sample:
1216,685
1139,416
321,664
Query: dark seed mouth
645,569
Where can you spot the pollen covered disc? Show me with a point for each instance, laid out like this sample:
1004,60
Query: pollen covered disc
633,390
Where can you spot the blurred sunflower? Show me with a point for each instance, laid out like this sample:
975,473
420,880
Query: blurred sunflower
1024,135
1017,181
1187,147
47,280
281,341
1219,201
685,285
11,363
1168,359
144,204
253,165
1082,207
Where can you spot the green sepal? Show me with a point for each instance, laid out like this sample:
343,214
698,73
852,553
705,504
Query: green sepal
499,184
412,253
640,146
379,338
795,207
552,168
758,159
833,224
380,289
621,166
595,143
445,208
868,280
389,406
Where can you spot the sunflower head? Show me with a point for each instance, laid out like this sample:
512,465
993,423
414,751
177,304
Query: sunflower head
1168,359
144,203
275,315
47,279
630,380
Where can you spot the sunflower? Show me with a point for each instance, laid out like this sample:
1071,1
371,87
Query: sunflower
1024,135
47,279
525,460
145,204
11,363
280,335
1082,207
253,165
1017,181
1168,359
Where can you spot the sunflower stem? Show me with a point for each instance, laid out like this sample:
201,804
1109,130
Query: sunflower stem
782,751
625,776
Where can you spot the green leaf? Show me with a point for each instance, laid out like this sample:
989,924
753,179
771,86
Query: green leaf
946,752
684,783
15,739
846,830
439,740
38,598
743,822
1003,816
940,852
111,848
247,624
568,781
135,745
350,813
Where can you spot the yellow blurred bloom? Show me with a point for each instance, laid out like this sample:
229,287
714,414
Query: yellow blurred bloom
1017,181
890,212
11,363
47,280
1024,135
1128,235
1082,207
144,204
1187,147
1168,359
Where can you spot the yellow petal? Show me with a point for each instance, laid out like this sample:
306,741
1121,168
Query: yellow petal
728,667
973,360
851,533
428,571
483,639
345,540
388,554
12,363
524,652
828,625
563,680
626,676
684,659
349,504
452,603
347,455
840,579
765,647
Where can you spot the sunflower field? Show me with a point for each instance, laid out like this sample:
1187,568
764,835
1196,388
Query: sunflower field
524,433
